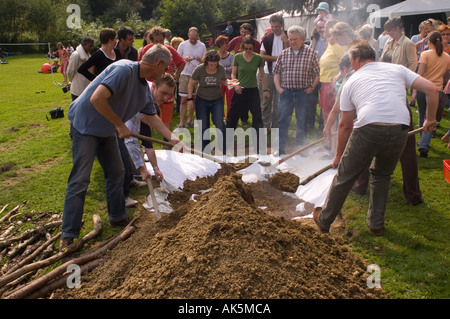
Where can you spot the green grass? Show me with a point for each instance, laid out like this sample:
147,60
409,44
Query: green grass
35,162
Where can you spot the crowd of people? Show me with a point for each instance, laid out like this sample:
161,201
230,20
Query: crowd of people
119,90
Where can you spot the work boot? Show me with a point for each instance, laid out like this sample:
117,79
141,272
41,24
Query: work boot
316,215
65,242
120,223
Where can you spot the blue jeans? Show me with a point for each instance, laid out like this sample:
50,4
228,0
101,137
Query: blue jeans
84,150
206,110
290,100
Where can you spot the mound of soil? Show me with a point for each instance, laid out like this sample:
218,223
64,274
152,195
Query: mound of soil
224,246
287,182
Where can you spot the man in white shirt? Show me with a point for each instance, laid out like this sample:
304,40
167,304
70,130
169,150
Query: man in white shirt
192,51
271,47
376,93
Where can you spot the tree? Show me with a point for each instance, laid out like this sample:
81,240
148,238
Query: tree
179,15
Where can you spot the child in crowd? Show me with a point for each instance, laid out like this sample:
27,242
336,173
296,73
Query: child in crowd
323,13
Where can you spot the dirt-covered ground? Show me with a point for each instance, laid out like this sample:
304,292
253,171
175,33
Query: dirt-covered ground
236,241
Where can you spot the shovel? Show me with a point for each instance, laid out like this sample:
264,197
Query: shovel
201,154
326,168
155,203
271,168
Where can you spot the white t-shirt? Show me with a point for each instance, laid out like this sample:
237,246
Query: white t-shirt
377,91
185,49
277,47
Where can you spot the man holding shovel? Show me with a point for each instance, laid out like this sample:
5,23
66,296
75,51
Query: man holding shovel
376,93
97,116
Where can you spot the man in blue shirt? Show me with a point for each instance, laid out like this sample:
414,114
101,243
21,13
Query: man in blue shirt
100,112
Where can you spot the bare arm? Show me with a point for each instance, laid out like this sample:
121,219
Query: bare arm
277,82
344,130
432,96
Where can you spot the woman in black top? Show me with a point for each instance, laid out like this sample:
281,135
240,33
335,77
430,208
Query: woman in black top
102,57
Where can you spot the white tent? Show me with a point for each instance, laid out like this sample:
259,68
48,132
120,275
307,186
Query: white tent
412,7
306,21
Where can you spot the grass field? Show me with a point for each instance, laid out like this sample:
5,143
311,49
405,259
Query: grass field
35,162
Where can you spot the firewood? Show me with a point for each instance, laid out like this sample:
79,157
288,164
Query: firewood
62,254
21,247
44,280
3,209
15,209
58,283
5,234
36,253
29,233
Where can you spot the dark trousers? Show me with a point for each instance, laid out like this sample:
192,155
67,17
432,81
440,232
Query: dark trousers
374,145
410,172
241,104
126,165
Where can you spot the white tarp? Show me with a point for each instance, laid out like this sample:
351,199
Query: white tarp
179,167
412,7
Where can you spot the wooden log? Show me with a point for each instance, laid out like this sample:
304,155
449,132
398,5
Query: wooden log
21,247
58,283
15,209
3,209
62,254
36,253
29,233
37,284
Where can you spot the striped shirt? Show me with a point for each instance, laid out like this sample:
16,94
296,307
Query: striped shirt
297,70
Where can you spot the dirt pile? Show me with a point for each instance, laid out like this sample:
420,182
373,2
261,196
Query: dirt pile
224,246
287,182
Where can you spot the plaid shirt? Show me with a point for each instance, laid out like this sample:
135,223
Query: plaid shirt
297,71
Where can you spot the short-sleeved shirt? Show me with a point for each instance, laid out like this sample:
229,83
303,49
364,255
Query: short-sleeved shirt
377,93
436,67
297,69
329,62
247,70
209,85
186,48
130,94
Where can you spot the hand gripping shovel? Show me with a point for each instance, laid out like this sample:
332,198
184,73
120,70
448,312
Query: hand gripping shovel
330,166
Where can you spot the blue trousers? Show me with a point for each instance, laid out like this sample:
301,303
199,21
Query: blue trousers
290,100
84,150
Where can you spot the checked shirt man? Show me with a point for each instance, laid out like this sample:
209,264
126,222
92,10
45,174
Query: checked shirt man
296,75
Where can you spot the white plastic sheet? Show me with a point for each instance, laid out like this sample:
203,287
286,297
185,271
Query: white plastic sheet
179,167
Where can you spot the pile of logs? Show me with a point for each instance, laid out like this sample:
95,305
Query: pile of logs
26,255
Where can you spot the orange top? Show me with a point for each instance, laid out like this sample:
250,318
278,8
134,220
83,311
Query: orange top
436,67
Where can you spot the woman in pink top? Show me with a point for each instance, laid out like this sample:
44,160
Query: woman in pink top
64,60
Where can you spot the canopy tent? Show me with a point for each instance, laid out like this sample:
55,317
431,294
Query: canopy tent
413,7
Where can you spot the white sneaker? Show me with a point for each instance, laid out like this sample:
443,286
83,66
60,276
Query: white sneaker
129,202
136,183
